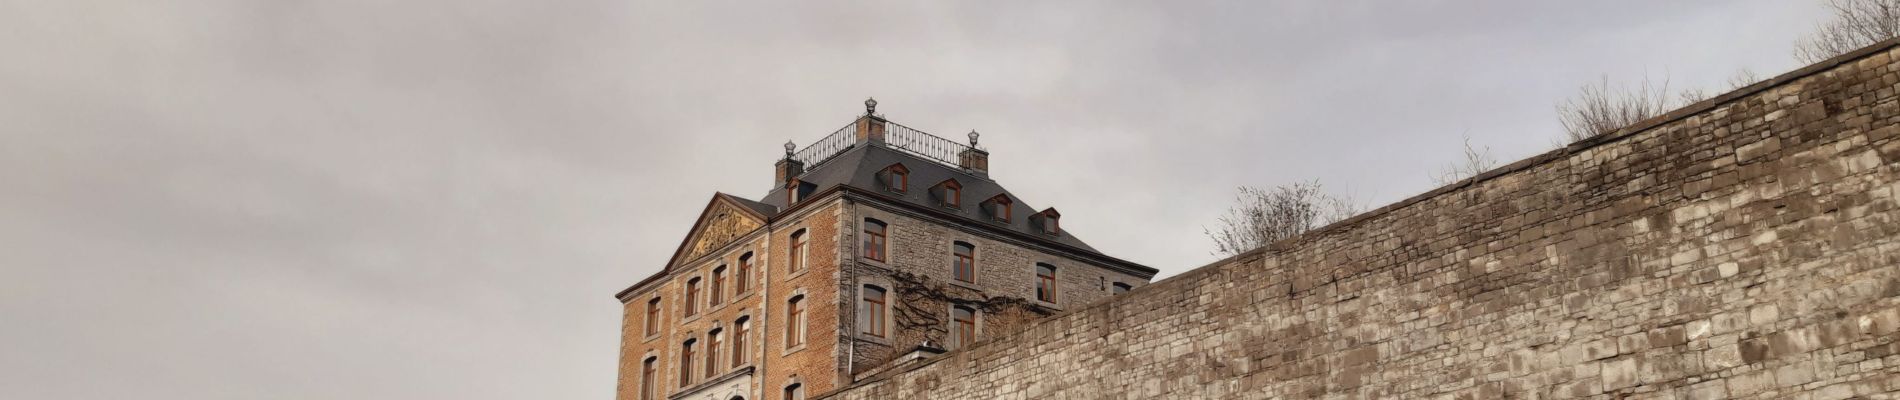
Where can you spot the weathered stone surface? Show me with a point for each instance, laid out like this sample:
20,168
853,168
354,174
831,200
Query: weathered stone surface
1716,253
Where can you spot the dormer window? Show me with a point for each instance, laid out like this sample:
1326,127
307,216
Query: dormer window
896,178
1051,221
796,191
950,193
998,207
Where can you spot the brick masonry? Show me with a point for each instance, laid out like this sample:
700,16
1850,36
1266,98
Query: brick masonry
1743,247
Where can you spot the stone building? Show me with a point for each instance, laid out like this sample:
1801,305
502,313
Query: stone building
878,247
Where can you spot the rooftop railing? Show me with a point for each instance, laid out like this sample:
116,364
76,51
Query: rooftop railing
896,136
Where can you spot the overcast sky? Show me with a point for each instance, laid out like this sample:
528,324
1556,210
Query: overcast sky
435,199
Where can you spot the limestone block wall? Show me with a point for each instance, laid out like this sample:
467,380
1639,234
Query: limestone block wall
1743,247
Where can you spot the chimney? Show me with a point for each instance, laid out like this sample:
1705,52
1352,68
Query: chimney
974,159
870,127
787,167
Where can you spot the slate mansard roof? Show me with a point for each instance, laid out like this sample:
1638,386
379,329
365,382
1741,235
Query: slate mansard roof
861,166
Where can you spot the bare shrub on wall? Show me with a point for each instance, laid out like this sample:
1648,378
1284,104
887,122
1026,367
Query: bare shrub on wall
1263,216
1599,109
1856,24
1475,161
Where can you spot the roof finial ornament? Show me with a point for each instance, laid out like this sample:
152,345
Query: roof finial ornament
788,148
870,106
973,136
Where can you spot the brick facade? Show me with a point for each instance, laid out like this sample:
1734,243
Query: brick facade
1743,247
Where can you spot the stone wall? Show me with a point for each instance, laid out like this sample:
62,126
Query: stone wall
919,276
1743,247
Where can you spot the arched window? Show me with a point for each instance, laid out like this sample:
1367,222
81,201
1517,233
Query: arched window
874,239
1046,282
692,296
797,257
716,290
963,326
649,388
739,333
1122,288
963,268
795,322
794,392
871,311
686,363
713,343
742,279
653,316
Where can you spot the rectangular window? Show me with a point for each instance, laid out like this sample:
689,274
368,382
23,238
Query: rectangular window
874,239
964,267
712,355
795,392
717,289
872,310
742,280
952,196
739,350
686,364
1046,283
647,385
797,262
653,316
964,331
794,322
692,296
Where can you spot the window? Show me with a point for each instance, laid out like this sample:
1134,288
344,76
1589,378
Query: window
874,239
692,296
795,322
871,311
739,350
897,178
715,291
712,353
797,257
686,363
1051,222
998,207
963,326
794,392
1046,283
653,316
964,267
951,193
648,371
1122,288
742,279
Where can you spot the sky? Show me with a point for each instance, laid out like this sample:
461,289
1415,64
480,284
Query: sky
434,199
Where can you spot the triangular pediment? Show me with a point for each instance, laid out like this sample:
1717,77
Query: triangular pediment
723,222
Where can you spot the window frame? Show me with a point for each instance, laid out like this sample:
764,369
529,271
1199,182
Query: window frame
649,376
715,287
1046,285
957,338
686,361
742,277
692,297
797,253
794,391
712,352
795,315
876,312
963,264
880,239
653,317
897,178
740,328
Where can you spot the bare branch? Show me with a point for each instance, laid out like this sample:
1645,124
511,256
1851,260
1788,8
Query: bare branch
1476,161
1856,24
1598,109
1262,216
